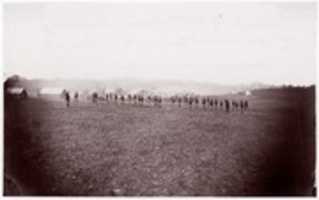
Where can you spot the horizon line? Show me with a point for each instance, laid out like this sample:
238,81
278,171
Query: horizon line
116,78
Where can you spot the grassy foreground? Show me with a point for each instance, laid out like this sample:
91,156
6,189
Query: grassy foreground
110,149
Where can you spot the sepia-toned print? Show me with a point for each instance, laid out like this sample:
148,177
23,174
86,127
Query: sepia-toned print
159,99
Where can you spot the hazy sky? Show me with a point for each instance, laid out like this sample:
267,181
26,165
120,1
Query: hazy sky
218,42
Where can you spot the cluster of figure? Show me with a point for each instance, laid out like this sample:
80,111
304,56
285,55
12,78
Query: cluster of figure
210,102
136,99
67,97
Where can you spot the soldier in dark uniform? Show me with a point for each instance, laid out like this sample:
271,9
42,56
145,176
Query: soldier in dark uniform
241,105
94,97
211,103
190,101
160,101
122,99
67,98
107,97
227,105
204,102
179,101
76,96
196,101
216,103
246,104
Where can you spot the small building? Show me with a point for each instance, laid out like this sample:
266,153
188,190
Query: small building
248,93
51,93
244,93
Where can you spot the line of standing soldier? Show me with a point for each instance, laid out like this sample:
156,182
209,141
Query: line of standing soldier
136,99
156,100
207,102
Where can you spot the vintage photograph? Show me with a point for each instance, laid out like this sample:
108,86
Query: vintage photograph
159,99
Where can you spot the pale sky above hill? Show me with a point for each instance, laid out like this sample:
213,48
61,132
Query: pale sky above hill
225,43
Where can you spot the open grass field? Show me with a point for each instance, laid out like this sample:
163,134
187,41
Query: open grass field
110,149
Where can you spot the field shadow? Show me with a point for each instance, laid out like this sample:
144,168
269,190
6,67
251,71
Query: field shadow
23,174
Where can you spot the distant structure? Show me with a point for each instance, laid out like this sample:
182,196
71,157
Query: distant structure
247,93
17,92
51,92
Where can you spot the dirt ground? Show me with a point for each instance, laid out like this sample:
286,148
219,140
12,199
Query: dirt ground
112,149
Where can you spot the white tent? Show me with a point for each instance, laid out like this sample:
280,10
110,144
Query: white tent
247,93
51,91
15,90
